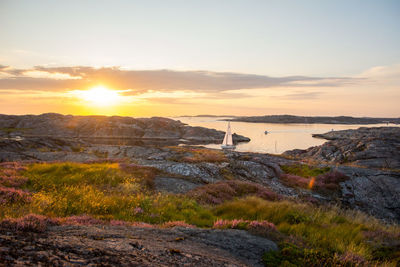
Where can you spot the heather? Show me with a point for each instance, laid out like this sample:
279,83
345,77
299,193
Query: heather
122,194
328,230
12,195
220,192
322,180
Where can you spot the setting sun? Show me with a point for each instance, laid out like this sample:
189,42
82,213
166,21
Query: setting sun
100,96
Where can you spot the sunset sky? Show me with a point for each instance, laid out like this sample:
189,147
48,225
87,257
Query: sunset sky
169,58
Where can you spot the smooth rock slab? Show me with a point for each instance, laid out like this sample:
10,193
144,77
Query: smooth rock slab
133,246
174,185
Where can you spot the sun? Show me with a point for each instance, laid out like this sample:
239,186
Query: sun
100,96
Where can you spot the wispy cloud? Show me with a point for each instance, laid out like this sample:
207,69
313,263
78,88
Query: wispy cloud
140,81
300,95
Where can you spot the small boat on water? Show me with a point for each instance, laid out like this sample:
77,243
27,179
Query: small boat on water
228,143
266,132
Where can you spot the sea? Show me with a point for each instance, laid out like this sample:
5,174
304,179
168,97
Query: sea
280,137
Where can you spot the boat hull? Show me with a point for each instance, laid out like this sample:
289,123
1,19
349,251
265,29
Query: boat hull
228,147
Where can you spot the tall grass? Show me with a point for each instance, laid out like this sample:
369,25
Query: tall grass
328,229
105,191
122,192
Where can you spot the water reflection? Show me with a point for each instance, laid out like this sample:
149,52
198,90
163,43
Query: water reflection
280,137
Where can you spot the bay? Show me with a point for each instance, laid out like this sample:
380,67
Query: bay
280,137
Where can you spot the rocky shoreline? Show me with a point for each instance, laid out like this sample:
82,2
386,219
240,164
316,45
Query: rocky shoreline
111,130
375,147
316,119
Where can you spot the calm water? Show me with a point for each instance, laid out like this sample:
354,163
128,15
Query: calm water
280,137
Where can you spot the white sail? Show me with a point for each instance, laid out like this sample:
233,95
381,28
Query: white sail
225,138
228,137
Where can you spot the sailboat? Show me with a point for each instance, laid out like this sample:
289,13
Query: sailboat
228,143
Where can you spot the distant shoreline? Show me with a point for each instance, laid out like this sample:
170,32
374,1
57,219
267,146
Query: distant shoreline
307,119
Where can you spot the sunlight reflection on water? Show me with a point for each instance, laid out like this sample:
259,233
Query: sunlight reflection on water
280,137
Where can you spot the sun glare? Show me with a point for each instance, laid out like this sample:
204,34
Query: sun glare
100,96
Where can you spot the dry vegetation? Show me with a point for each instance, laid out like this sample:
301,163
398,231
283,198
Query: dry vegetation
43,194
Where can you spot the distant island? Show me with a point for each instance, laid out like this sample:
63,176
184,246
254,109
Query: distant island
206,115
317,119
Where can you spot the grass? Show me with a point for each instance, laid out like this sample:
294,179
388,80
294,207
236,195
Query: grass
327,230
121,193
323,180
105,191
196,155
223,191
304,170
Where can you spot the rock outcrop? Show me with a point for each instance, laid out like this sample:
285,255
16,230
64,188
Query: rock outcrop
373,191
132,246
115,130
376,147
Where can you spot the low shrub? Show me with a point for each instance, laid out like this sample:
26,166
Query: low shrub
177,224
81,220
29,223
295,181
292,255
143,174
196,154
220,192
329,181
326,229
13,181
12,195
244,224
324,183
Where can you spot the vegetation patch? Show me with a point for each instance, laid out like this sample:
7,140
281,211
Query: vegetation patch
323,180
117,194
198,155
333,234
227,190
291,255
107,191
29,223
304,170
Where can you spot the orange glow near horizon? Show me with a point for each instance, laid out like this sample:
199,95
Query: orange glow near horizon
99,96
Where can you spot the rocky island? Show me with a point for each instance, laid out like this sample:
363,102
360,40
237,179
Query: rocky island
112,130
316,119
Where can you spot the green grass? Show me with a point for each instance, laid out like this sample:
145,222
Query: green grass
104,191
124,192
195,155
328,230
304,170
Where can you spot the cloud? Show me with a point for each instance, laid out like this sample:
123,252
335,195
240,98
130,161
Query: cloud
141,81
300,95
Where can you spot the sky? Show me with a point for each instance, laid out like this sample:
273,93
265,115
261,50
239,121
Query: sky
170,58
